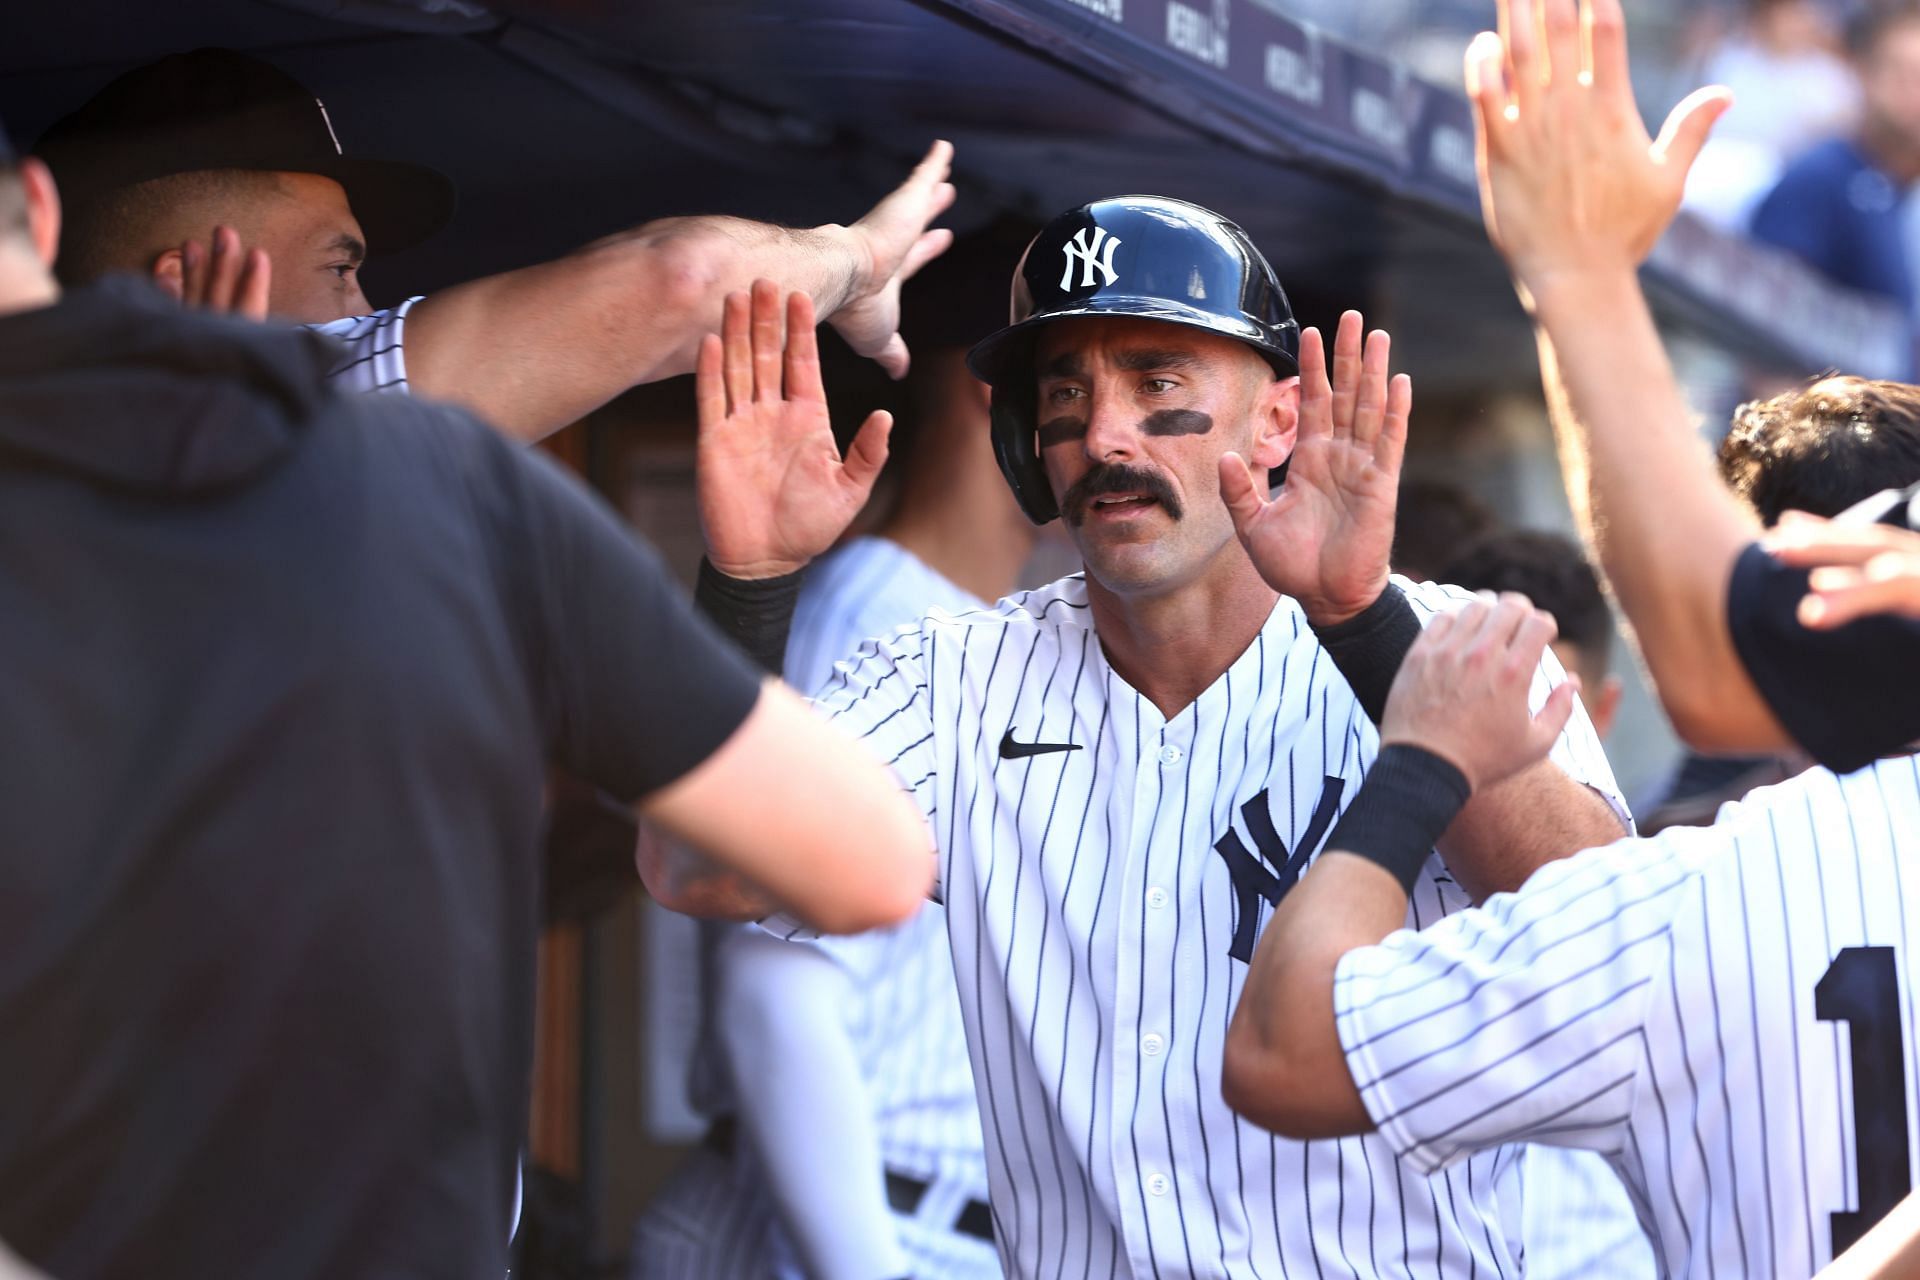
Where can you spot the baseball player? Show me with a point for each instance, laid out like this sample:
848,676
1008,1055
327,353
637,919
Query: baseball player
216,137
1127,768
1724,1012
862,1155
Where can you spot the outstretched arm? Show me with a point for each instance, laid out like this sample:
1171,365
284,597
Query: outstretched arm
1575,194
1325,538
534,350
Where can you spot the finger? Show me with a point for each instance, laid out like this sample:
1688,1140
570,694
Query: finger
1833,607
1560,33
1486,77
1520,32
867,453
193,274
1687,127
894,357
803,351
737,349
1391,448
925,250
1316,394
1241,492
936,166
256,286
223,269
1346,371
1370,407
768,347
1511,612
709,383
1606,40
1530,640
1551,720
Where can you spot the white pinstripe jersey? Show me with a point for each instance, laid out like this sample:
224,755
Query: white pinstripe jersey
1726,1012
1102,903
907,1029
376,354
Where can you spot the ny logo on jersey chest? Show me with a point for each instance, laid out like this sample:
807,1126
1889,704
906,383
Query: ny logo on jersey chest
1251,880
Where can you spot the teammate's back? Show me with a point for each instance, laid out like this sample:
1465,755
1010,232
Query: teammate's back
1721,1010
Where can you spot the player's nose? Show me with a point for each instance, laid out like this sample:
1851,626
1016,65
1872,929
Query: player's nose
1112,434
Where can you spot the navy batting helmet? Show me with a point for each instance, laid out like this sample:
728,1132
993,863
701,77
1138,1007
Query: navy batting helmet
1143,256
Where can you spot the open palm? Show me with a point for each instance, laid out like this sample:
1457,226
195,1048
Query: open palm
774,491
1326,538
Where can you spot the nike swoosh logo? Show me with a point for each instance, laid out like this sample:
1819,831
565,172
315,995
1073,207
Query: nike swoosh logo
1011,750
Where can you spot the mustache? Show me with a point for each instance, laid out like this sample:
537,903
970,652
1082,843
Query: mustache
1117,477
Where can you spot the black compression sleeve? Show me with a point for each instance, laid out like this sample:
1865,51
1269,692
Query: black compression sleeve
1369,647
1409,798
754,612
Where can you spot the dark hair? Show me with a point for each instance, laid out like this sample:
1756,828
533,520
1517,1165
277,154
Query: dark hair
1873,19
1550,570
13,201
122,229
1434,520
1823,447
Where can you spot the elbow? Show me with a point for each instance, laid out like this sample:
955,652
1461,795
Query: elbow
1719,712
682,276
889,894
1257,1080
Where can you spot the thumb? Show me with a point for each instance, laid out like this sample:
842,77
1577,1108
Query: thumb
1238,490
1555,712
868,451
1686,129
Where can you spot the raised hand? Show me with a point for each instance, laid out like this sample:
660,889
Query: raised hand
1462,692
1570,181
897,244
1858,569
773,489
1325,538
225,278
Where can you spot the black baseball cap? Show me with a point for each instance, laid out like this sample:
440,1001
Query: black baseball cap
220,109
6,148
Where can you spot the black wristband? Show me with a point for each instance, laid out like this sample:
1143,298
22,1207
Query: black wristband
1409,798
753,612
1369,647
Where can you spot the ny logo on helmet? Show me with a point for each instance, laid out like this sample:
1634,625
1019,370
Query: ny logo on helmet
1093,257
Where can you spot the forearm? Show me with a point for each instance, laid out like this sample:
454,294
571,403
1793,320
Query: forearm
536,349
1283,1033
1665,530
1891,1249
783,1016
684,880
1513,828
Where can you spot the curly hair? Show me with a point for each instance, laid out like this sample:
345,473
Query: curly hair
1823,447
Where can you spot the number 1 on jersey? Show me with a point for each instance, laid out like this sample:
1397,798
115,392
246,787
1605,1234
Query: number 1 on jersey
1862,989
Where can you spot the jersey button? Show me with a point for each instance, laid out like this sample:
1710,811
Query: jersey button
1156,897
1170,754
1151,1044
1157,1184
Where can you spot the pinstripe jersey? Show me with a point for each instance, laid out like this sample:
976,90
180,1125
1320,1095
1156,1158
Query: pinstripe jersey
375,355
1102,904
1726,1012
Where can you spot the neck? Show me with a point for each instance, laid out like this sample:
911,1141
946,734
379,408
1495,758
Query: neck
1891,151
1171,647
25,283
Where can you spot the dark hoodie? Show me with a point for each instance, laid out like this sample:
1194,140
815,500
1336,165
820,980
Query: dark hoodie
280,671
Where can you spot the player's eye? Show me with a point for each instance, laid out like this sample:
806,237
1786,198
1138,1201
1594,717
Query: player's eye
343,271
1064,395
1158,386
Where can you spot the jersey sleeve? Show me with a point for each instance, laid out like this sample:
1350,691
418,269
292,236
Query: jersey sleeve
1519,1021
375,355
1577,750
1847,696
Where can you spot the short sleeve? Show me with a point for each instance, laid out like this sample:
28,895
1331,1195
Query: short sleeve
634,687
1518,1021
1577,750
375,355
1847,696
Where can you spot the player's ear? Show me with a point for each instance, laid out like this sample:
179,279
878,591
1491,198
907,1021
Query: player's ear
43,209
169,272
1276,422
1603,704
